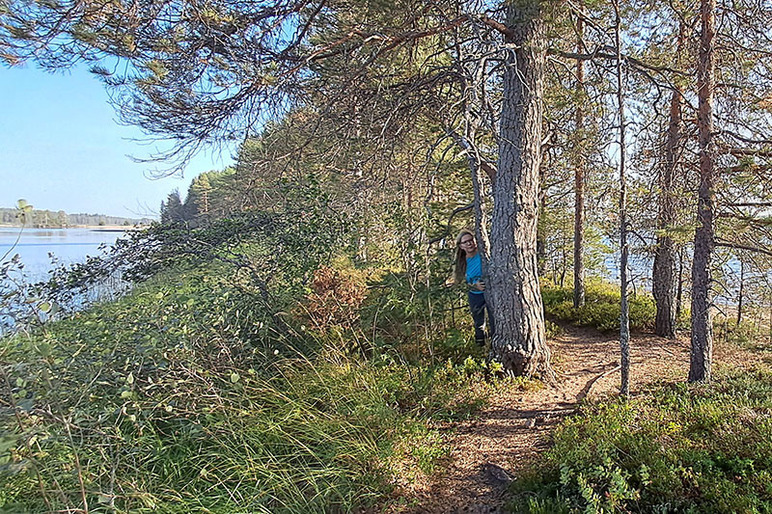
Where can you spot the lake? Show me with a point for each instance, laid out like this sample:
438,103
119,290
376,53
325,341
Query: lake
69,245
35,247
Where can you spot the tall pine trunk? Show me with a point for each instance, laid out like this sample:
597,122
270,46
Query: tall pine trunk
664,279
704,237
579,173
519,341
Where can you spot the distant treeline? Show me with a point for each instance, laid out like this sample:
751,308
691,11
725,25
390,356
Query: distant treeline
60,219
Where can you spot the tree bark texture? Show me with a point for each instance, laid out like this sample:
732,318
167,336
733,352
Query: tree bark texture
624,320
579,173
519,341
704,237
478,182
664,273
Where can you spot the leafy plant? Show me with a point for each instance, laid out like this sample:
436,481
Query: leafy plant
703,448
186,395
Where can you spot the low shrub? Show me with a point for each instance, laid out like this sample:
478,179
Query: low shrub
336,296
702,448
601,308
425,321
748,334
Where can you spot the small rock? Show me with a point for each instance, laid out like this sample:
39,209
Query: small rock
497,473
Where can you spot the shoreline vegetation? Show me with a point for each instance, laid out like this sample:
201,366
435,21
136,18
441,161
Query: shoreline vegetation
234,377
95,228
310,415
283,339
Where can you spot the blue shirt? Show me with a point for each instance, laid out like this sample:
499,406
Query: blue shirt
474,272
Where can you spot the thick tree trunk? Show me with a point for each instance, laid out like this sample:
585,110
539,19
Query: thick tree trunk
664,272
519,341
579,174
704,237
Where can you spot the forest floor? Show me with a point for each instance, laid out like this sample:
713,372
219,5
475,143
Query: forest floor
501,441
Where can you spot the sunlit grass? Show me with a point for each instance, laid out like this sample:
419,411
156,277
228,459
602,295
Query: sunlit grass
183,397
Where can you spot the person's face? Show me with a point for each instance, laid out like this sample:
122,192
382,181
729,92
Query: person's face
468,244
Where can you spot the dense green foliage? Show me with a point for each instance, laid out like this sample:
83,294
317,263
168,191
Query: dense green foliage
183,396
291,340
701,448
262,362
601,309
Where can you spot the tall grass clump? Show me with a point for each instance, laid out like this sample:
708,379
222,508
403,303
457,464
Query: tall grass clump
703,448
187,396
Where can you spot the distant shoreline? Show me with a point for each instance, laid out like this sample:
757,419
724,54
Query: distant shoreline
94,228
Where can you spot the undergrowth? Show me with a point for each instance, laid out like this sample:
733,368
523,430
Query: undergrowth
185,397
701,448
601,308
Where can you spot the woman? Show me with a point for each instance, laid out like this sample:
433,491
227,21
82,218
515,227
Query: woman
469,270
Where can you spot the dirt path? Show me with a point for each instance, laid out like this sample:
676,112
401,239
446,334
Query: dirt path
515,426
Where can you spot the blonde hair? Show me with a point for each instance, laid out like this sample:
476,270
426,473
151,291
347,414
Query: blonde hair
459,272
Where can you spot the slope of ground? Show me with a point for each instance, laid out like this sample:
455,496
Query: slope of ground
497,445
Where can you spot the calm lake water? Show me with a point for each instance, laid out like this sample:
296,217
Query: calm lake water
35,247
68,245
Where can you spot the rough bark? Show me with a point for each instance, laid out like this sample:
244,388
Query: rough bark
740,295
579,174
519,342
664,272
624,321
704,237
477,172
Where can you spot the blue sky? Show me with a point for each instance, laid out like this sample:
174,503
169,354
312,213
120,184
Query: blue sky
60,148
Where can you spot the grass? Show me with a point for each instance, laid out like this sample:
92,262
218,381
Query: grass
184,397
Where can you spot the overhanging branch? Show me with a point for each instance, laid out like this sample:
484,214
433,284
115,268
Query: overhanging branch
738,246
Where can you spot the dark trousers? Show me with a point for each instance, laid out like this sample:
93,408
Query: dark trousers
478,307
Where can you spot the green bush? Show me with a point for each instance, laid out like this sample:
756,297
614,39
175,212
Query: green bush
187,396
417,318
601,309
747,335
704,448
